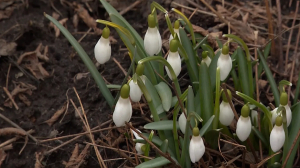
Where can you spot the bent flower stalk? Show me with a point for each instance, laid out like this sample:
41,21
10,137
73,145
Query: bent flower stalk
102,49
123,109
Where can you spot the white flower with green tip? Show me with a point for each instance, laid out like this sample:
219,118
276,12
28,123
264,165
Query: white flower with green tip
102,49
206,58
243,126
123,109
196,148
152,40
182,122
174,58
224,63
284,103
139,146
135,91
277,136
226,114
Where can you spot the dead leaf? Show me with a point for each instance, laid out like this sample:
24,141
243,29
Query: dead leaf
270,97
76,160
210,39
11,130
39,156
24,99
262,83
72,160
2,156
80,76
56,115
75,21
245,17
7,49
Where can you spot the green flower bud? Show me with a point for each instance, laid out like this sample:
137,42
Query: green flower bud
151,21
176,24
245,110
204,54
225,50
196,131
105,32
224,96
278,121
125,91
284,98
140,69
174,45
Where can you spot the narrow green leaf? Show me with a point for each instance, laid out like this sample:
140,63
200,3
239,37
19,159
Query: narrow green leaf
207,125
266,54
164,146
260,136
220,44
243,71
206,94
153,93
212,70
165,95
159,7
161,125
87,61
159,161
270,78
200,43
146,153
217,100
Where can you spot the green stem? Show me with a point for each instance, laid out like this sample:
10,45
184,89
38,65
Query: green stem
217,100
175,114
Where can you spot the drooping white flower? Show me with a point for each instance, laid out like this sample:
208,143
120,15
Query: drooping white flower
288,115
123,109
226,114
135,91
243,126
182,122
206,58
174,59
152,40
277,136
171,36
102,49
138,146
224,63
196,148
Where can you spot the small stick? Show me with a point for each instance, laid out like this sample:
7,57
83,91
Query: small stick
119,65
14,139
63,144
279,30
291,148
193,13
11,98
270,26
290,37
290,4
15,125
8,75
167,156
130,7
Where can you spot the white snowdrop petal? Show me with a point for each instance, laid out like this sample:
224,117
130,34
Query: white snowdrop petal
138,148
226,113
123,112
196,148
277,138
182,122
274,115
207,60
175,61
152,41
225,65
102,50
288,114
137,135
171,36
243,128
135,92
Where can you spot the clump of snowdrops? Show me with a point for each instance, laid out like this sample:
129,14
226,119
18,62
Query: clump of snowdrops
206,108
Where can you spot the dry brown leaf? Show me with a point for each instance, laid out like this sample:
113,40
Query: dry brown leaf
72,160
82,155
85,16
24,99
11,130
80,76
57,114
2,156
39,156
7,49
262,83
210,39
75,21
270,97
245,17
20,88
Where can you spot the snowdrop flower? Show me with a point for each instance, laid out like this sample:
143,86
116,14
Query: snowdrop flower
174,58
224,63
243,126
123,109
135,91
226,113
102,49
205,58
284,103
176,30
197,147
182,122
277,136
139,147
152,40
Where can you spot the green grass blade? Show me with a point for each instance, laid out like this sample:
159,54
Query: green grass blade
206,94
297,90
207,125
270,78
87,61
200,43
243,71
161,125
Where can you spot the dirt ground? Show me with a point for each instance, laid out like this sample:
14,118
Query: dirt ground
51,88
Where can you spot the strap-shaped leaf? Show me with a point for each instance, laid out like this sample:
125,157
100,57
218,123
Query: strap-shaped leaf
165,95
161,125
159,161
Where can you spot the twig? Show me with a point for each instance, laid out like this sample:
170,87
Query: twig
14,139
119,65
8,75
15,125
130,7
267,158
192,9
290,4
102,164
167,156
290,37
11,98
280,55
270,26
291,148
61,145
294,60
